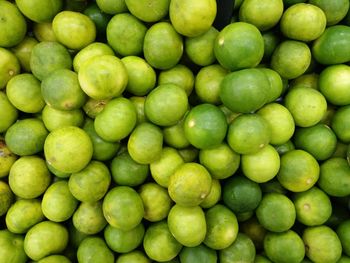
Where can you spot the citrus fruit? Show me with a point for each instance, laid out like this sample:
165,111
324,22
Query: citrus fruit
221,161
162,46
12,24
262,14
318,140
165,166
205,126
241,194
44,239
145,143
174,135
262,166
332,46
159,244
7,158
343,230
55,119
322,244
333,83
280,122
241,250
135,256
119,203
12,246
141,76
10,66
199,253
341,122
54,259
335,177
68,149
254,230
116,120
99,18
309,80
94,249
189,184
276,84
284,247
111,6
200,49
47,57
125,171
40,11
9,113
166,104
222,227
139,103
271,41
244,90
291,59
24,92
313,207
248,134
148,10
299,171
26,137
103,77
335,11
6,197
214,195
239,45
307,106
125,34
156,201
91,183
44,32
304,22
23,52
121,241
276,212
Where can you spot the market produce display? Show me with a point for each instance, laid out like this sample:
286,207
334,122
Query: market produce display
138,131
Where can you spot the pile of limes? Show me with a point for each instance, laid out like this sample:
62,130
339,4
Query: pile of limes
136,131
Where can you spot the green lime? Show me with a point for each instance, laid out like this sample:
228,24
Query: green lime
11,247
9,66
241,194
94,249
222,227
68,149
248,134
189,154
284,247
26,137
307,106
55,259
335,177
261,258
163,46
239,45
187,224
9,113
340,150
332,47
244,90
44,239
341,123
159,244
284,148
99,18
322,244
40,11
179,75
308,80
125,34
125,171
200,253
44,32
47,57
90,184
299,171
254,230
139,103
313,207
6,198
189,184
121,241
7,159
165,166
156,201
271,41
88,218
304,22
174,135
23,52
343,232
103,77
145,143
291,59
262,14
58,204
335,11
55,119
276,212
135,256
116,120
24,92
12,25
214,195
148,10
112,6
318,140
200,49
241,250
119,203
141,76
276,84
221,161
280,121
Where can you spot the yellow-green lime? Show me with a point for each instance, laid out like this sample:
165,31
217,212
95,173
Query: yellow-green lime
174,135
40,11
44,32
340,124
11,246
23,52
139,103
9,66
200,253
148,10
7,159
135,256
55,259
309,80
241,250
271,41
94,249
214,195
343,231
55,119
335,10
111,6
9,113
6,197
